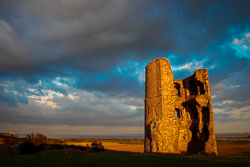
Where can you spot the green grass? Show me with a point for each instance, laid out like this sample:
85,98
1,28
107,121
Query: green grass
121,160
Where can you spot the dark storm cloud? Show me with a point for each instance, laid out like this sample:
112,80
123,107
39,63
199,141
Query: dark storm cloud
95,36
90,33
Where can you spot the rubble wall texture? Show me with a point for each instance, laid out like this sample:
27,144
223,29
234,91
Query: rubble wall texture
178,113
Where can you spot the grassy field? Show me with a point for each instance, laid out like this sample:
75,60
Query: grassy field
118,159
239,148
127,152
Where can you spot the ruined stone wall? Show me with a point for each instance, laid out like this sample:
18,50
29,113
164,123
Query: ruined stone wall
178,113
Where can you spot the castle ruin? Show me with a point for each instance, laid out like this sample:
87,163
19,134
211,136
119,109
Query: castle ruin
178,112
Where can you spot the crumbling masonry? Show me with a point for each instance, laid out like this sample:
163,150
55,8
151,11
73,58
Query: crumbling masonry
178,113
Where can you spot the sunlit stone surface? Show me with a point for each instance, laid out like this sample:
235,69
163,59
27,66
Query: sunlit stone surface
178,113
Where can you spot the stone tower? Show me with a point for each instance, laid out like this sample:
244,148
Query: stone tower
178,113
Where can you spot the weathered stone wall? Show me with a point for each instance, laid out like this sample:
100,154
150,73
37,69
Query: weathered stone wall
178,113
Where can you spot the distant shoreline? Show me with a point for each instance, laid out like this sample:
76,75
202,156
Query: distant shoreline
129,136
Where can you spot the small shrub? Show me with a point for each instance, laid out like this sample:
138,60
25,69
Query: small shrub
33,143
36,139
97,146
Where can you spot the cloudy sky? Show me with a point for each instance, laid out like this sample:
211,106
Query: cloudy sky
77,66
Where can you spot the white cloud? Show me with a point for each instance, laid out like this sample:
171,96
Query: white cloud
32,90
73,97
79,107
133,107
237,41
183,67
47,99
244,47
242,43
63,81
191,66
43,101
52,93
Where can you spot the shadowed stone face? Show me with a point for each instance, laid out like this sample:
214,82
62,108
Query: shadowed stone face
178,113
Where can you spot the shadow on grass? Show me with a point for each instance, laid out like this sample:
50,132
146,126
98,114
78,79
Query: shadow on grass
122,159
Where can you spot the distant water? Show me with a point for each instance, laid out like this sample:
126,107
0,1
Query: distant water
225,139
127,136
244,134
139,136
